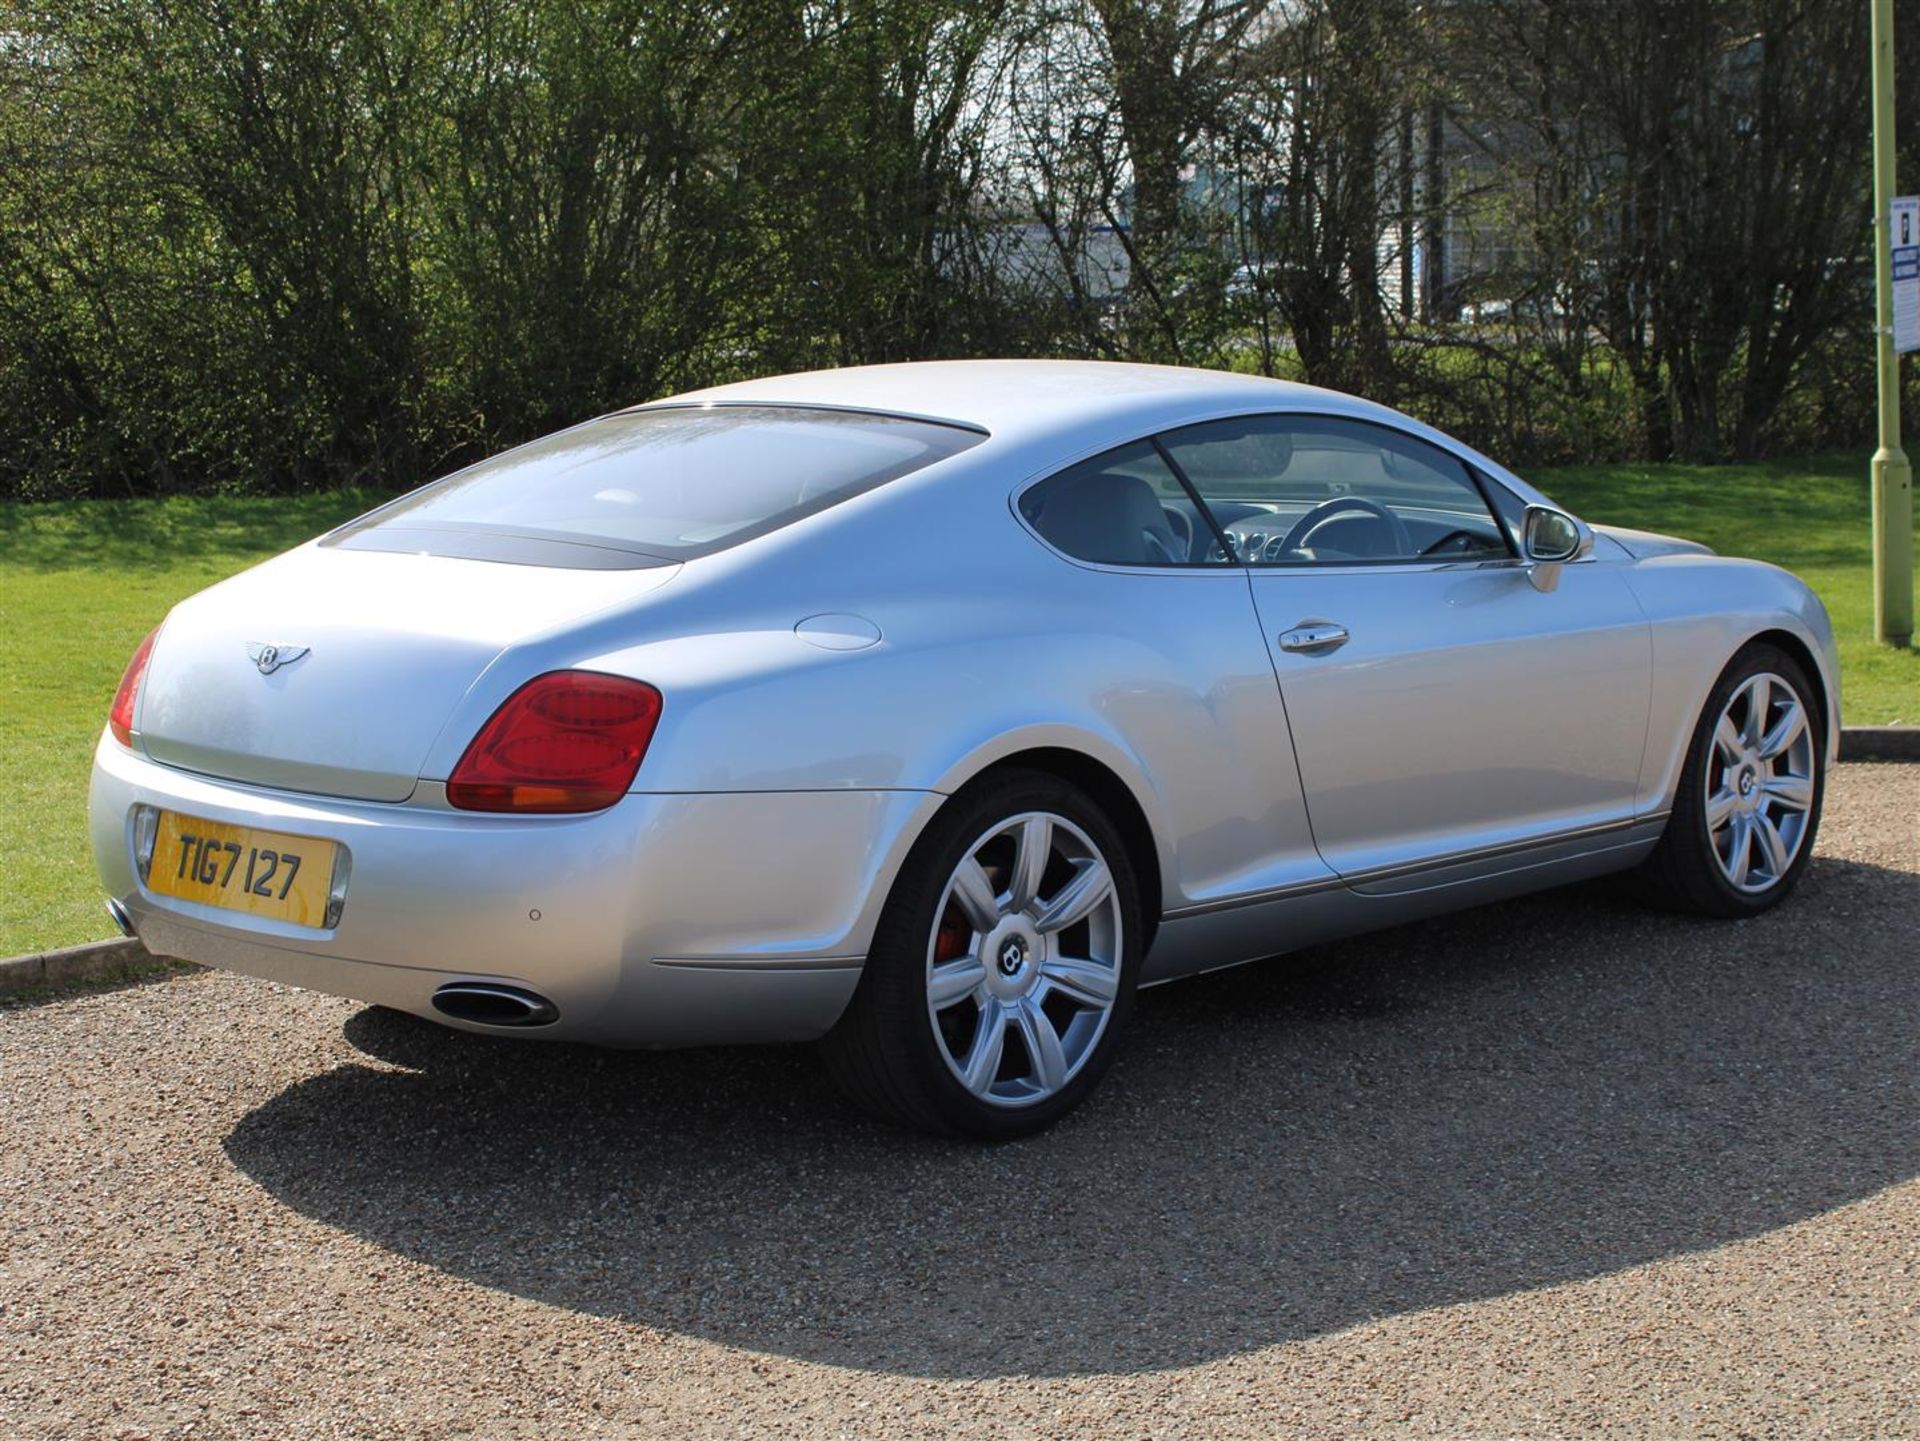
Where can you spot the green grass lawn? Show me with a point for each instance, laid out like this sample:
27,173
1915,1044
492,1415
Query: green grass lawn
81,582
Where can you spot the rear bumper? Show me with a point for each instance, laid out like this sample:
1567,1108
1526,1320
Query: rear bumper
665,920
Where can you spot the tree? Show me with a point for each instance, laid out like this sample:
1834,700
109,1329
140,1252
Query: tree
1690,186
1322,98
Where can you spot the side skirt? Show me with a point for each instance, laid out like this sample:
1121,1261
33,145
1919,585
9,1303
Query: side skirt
1192,942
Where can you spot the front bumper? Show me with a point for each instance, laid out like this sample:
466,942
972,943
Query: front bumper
665,920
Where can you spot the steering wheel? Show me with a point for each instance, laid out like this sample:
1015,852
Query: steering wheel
1304,527
1158,551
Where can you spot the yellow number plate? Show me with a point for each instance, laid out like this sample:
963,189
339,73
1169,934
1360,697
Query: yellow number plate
262,873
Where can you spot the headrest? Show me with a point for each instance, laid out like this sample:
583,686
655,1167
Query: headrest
1104,516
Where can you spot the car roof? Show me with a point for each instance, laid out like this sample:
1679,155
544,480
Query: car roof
1053,411
1021,400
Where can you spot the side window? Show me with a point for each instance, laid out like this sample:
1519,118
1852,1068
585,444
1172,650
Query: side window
1306,490
1123,507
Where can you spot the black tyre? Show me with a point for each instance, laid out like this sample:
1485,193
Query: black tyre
1748,805
1002,968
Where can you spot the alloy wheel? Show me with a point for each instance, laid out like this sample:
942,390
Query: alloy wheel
1759,782
1024,963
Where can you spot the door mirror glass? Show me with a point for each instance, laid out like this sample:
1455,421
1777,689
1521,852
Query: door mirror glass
1552,535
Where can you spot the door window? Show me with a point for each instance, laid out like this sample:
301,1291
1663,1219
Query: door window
1318,490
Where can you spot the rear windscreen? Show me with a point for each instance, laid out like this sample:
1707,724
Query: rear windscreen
654,486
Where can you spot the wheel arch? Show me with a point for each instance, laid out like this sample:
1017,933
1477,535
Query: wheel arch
1093,764
1796,647
1104,787
1729,649
1686,870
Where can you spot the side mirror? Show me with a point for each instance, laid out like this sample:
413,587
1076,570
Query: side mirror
1550,539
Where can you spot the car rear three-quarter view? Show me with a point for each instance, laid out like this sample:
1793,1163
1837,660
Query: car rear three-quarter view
929,711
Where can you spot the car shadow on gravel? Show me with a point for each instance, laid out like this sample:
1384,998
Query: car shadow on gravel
1512,1098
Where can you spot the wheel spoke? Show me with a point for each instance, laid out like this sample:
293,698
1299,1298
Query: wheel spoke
1740,848
1032,885
1759,702
1043,1045
1794,793
954,981
1773,844
1030,856
1726,739
1086,982
1785,731
974,892
1077,898
1720,806
983,1056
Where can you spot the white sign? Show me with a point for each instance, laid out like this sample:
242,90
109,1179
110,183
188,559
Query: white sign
1903,220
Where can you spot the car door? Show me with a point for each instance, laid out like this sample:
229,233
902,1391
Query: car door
1166,644
1444,709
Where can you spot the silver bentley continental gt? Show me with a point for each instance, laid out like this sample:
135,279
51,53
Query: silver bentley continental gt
929,711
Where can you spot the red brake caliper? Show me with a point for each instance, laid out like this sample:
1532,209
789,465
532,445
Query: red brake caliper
950,941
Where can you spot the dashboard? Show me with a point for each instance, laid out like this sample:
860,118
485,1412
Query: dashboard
1341,528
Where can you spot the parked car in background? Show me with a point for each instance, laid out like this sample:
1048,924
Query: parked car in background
929,711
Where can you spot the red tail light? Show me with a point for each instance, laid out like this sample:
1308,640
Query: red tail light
120,718
567,741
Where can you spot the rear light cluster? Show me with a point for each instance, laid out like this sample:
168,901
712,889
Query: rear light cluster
120,718
567,741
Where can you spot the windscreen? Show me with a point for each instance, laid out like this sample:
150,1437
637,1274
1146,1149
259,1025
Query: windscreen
652,486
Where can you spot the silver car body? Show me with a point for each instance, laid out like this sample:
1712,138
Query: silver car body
829,684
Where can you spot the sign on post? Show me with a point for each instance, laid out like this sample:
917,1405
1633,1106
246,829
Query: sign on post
1903,219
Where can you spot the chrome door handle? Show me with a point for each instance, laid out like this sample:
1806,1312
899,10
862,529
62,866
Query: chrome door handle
1314,637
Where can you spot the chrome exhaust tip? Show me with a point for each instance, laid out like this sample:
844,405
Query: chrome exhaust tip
121,920
485,1004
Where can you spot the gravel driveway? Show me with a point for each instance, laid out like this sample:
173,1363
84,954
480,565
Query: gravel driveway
1552,1168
